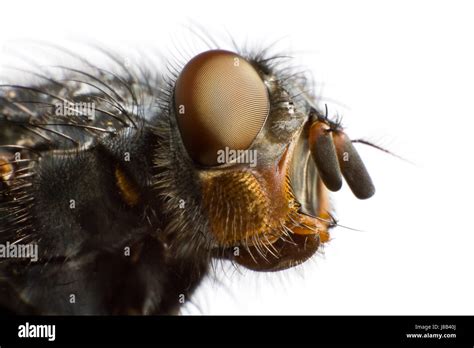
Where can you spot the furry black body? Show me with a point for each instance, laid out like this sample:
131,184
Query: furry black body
99,197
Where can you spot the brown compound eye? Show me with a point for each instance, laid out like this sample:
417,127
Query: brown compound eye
220,101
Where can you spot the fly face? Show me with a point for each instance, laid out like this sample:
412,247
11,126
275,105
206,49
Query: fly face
264,159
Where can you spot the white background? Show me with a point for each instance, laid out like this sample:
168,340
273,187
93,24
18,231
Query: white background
401,73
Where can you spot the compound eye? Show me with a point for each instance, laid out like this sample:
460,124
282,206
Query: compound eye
220,101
